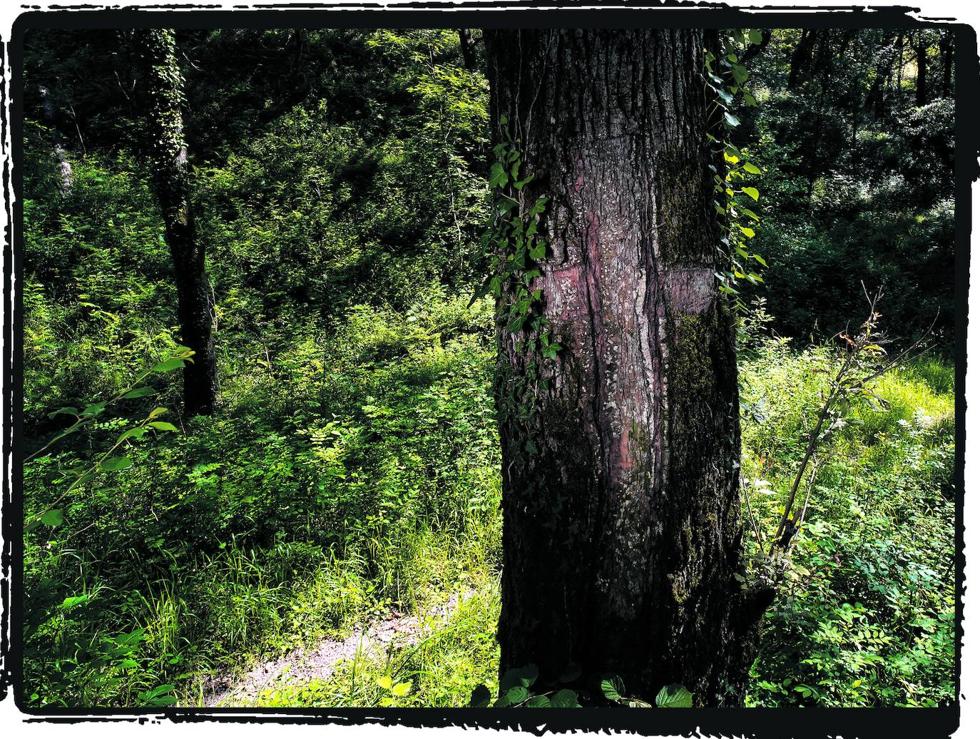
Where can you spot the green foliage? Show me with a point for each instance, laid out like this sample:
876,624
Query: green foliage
726,78
517,248
353,468
866,614
858,186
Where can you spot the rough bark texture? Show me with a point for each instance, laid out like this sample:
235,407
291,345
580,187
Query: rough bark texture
467,48
921,71
171,177
799,63
50,113
622,531
946,49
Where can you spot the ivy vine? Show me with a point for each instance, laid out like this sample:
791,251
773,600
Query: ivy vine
726,78
517,248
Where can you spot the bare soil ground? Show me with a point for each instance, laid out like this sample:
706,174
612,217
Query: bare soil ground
301,665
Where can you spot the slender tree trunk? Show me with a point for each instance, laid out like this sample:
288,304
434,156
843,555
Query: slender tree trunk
799,63
921,72
468,48
946,49
171,178
622,534
65,175
900,69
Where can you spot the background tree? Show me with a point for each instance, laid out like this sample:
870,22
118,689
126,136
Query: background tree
164,90
620,454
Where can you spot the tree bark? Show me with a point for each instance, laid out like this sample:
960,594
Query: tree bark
799,63
172,183
921,71
467,48
622,532
946,49
50,113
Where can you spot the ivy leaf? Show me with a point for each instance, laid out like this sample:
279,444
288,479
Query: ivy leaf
740,73
750,233
751,168
498,176
674,696
755,36
538,701
751,192
731,120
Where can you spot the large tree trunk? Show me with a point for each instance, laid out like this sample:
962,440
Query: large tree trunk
622,531
171,177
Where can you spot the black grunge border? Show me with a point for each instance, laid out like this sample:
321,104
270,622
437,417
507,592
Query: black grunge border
920,723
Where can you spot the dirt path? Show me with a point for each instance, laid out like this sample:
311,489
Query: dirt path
302,665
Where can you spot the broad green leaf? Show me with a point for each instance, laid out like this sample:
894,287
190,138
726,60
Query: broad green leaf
612,687
523,676
565,698
140,392
168,365
133,433
385,682
731,120
674,696
538,701
751,192
115,464
163,426
512,697
755,36
402,689
68,410
53,518
751,168
74,600
93,409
